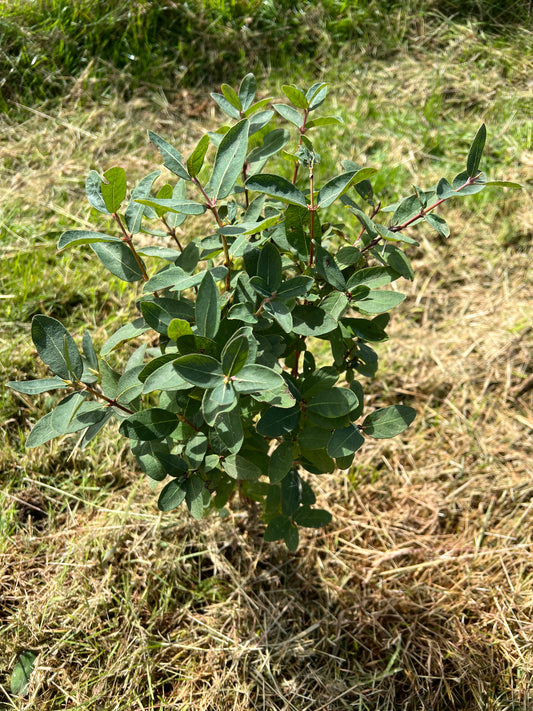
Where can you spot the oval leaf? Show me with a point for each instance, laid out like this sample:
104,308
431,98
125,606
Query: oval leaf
388,421
229,160
207,307
476,151
119,259
277,187
114,191
147,425
56,347
172,495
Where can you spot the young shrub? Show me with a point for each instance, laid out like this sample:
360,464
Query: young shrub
232,397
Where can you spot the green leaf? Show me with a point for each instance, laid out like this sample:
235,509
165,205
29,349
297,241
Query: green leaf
228,427
156,460
313,437
462,187
276,422
198,344
395,258
219,399
172,158
42,432
312,518
231,95
312,321
316,95
242,312
291,492
199,369
277,529
281,312
72,414
340,184
35,387
135,212
56,347
269,266
196,159
289,114
388,421
273,142
258,106
373,277
237,467
444,190
277,187
163,377
195,450
296,230
327,267
178,327
411,206
88,351
163,205
235,355
225,105
160,312
366,330
129,386
504,184
322,379
345,441
146,425
194,497
73,238
292,538
207,307
317,461
295,96
229,160
259,121
172,495
125,333
346,256
334,402
247,91
255,378
323,121
118,258
281,461
22,671
476,151
175,277
438,223
93,190
378,302
114,191
296,286
335,304
394,235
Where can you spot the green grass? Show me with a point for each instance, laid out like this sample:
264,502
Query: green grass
52,47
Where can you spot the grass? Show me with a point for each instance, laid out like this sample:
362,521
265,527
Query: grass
419,594
50,47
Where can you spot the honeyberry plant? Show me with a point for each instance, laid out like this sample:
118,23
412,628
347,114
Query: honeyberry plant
221,392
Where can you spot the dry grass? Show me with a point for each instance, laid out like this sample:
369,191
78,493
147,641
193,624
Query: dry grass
419,595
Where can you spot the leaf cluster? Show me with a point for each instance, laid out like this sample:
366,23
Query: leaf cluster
221,392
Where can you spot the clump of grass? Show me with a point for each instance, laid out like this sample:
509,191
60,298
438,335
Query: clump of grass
119,44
